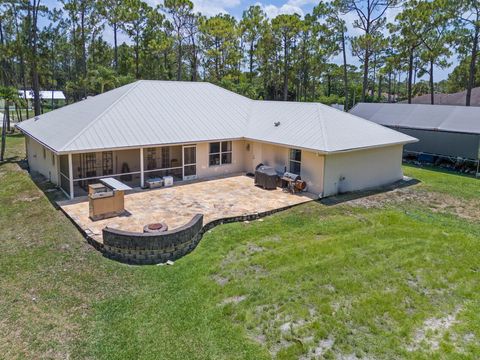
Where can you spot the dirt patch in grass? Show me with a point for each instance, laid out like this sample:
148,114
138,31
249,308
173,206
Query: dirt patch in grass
433,331
26,198
220,280
233,300
434,201
319,351
278,331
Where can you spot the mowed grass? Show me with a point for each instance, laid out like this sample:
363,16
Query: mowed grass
384,282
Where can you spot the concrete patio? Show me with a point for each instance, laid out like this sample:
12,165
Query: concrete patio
215,199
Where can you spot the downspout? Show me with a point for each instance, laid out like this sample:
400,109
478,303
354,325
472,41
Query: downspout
324,174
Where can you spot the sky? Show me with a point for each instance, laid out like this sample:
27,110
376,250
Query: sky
273,8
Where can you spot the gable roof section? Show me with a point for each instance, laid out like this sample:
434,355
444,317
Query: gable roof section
461,119
150,113
316,126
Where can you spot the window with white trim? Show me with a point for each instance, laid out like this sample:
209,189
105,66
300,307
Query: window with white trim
295,160
220,153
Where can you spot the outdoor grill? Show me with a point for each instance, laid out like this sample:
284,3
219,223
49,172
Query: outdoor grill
293,182
266,177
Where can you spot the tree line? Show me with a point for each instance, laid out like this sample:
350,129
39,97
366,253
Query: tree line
287,57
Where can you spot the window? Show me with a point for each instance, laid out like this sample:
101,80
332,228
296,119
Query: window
295,161
53,159
151,158
44,153
220,153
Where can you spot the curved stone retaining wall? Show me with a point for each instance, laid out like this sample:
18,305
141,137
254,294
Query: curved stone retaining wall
147,248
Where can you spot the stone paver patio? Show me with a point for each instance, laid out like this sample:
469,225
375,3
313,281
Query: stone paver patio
215,199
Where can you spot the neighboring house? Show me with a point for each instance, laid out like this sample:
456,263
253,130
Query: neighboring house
198,130
442,130
55,97
458,98
44,94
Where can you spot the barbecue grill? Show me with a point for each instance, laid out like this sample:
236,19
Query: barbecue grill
293,182
266,177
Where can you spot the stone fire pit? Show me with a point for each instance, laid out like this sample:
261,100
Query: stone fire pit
155,228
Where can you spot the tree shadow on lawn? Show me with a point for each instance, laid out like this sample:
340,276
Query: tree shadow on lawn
10,160
354,195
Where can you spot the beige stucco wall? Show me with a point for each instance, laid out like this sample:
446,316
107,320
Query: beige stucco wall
277,156
362,169
312,170
237,165
38,163
267,154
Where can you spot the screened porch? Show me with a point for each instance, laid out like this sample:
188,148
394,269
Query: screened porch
131,166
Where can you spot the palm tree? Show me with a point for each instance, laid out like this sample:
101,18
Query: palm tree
101,78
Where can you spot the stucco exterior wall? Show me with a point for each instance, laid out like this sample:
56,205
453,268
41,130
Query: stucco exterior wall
206,171
358,169
363,169
312,165
47,166
312,171
267,154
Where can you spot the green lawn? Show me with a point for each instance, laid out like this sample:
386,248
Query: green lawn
393,276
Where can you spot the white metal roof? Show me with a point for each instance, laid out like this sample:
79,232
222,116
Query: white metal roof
462,119
44,94
147,113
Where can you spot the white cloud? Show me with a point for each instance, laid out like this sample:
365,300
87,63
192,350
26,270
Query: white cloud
287,8
208,7
300,3
349,19
214,7
392,12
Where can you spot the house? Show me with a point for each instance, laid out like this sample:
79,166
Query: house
458,98
193,130
443,130
44,94
54,98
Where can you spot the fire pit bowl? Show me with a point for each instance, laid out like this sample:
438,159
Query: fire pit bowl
155,227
